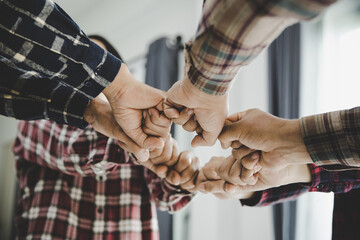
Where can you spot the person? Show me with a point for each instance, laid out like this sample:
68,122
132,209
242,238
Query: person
329,140
51,70
273,188
230,34
78,184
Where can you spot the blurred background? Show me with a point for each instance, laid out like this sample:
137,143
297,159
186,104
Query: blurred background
312,68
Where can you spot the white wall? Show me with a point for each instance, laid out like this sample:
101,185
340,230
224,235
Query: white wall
214,219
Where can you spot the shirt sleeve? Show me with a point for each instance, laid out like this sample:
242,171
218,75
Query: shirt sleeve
231,33
49,67
333,138
322,181
67,149
166,196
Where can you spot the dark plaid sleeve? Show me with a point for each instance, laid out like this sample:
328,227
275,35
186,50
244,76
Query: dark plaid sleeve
322,181
49,67
333,138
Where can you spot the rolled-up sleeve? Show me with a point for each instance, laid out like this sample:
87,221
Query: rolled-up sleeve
233,32
333,138
49,67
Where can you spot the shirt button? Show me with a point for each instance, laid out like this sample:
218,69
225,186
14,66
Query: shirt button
100,210
88,83
320,186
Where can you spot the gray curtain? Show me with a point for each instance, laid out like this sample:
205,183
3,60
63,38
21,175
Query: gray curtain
162,73
284,79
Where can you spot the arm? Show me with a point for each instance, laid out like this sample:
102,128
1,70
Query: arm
321,181
67,149
52,70
230,34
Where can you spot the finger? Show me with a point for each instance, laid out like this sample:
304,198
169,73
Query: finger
241,152
159,170
224,171
239,174
151,128
209,170
251,160
173,177
184,117
172,110
205,139
166,152
156,152
159,119
236,144
189,174
246,188
250,166
184,161
191,125
215,186
130,146
235,117
229,134
174,157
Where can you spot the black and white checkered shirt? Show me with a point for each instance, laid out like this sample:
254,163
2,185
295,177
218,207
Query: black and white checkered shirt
48,67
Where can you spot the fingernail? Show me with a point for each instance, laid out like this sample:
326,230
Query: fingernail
190,111
143,155
255,156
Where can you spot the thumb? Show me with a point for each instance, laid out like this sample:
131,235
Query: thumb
229,134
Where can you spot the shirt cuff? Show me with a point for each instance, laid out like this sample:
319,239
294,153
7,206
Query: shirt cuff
209,82
175,190
70,96
254,200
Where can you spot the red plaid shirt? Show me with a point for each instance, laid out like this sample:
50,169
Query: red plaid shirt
322,181
78,184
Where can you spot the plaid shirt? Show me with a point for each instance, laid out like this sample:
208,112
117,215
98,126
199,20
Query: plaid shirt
233,32
322,181
333,138
49,67
78,184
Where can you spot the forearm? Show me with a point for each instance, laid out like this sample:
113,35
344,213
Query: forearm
232,33
52,69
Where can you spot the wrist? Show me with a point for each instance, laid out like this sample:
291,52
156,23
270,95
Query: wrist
200,98
299,173
291,144
89,114
117,87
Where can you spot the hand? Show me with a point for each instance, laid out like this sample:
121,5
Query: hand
99,115
247,167
182,168
210,111
155,123
187,168
128,98
208,181
262,131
